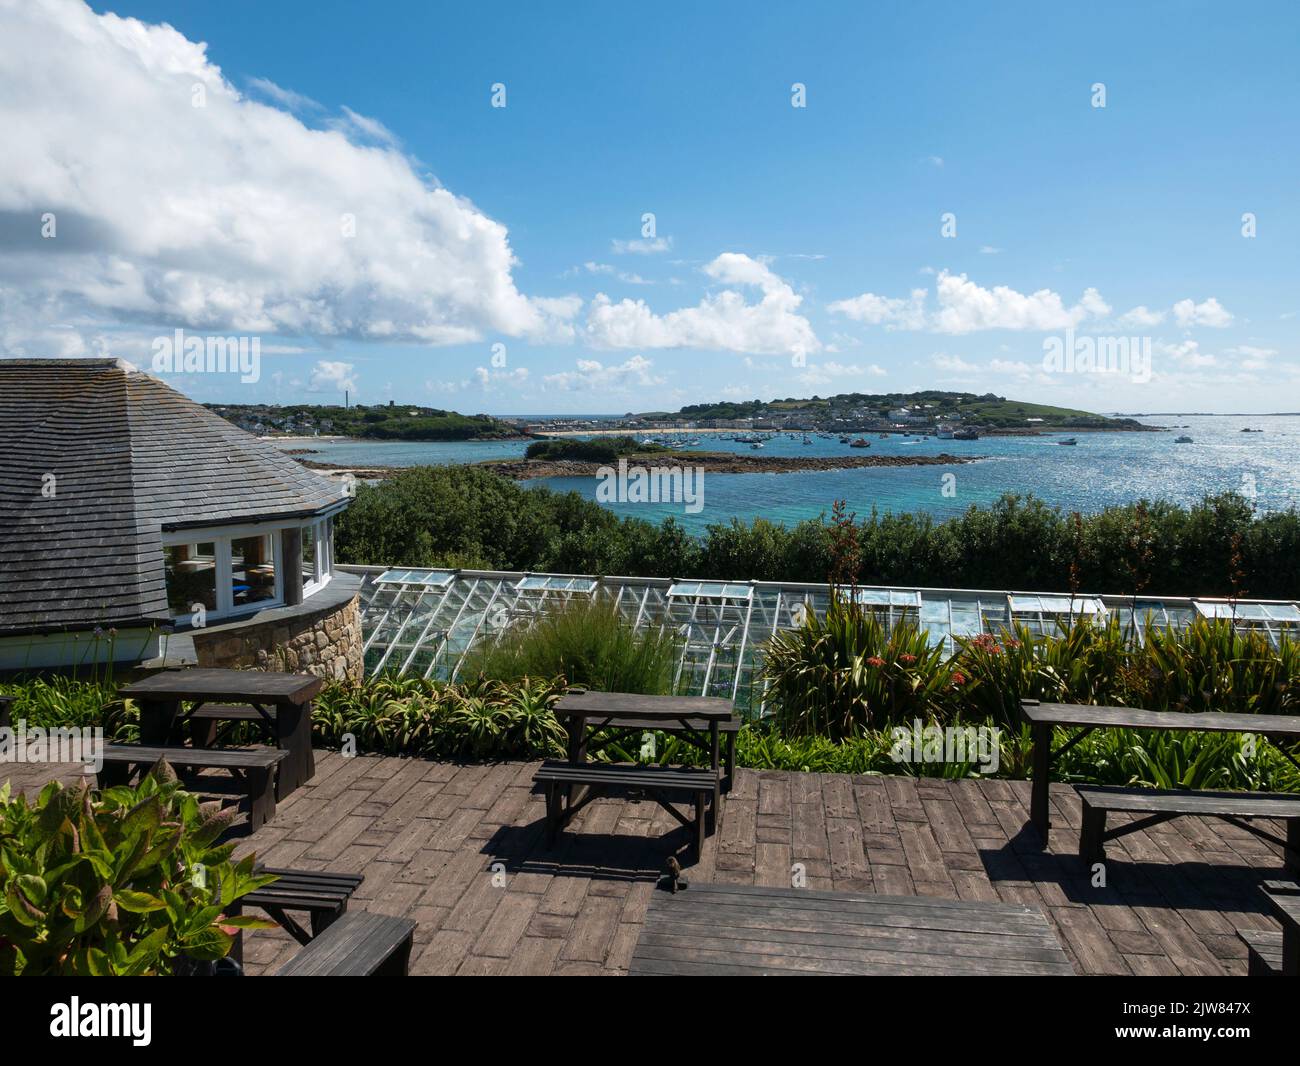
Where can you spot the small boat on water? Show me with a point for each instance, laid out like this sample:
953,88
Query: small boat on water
860,443
1183,440
1068,440
756,445
845,440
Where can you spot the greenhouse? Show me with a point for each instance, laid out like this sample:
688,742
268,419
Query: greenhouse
422,622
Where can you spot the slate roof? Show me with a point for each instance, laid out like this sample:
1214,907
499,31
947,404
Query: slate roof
129,456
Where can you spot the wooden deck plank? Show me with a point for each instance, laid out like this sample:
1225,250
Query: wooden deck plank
426,835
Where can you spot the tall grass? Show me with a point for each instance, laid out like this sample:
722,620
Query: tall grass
586,644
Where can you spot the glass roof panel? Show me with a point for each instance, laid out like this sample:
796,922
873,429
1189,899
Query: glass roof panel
430,578
425,622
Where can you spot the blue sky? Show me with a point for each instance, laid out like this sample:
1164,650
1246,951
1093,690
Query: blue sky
798,250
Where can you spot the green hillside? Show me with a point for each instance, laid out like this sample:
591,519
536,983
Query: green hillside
988,409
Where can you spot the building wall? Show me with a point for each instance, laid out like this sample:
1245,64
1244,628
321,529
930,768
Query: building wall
79,649
326,643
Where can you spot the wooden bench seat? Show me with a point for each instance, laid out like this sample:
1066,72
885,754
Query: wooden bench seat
1161,806
323,895
359,944
727,728
1263,952
659,782
252,771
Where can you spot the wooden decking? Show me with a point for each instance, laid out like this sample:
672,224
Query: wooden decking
459,848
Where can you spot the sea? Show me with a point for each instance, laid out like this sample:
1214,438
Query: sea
1102,469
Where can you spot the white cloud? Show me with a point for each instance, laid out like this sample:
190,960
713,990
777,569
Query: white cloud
1208,313
627,277
227,216
1187,354
282,96
488,378
722,321
1249,357
646,246
953,364
593,375
896,313
826,373
363,128
327,376
965,307
1142,316
988,249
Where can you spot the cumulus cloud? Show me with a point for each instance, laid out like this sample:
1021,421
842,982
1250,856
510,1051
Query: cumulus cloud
328,376
721,321
1141,316
233,215
893,312
592,375
1207,313
966,307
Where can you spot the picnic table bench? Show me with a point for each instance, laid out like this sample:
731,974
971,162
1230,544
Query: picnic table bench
281,702
659,782
602,732
251,771
1043,718
359,944
1162,805
700,722
1272,954
322,894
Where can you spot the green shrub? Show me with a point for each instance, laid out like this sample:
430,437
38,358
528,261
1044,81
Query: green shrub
57,700
584,643
409,716
845,672
128,881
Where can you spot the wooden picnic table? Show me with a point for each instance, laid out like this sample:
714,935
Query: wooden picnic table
1043,718
162,716
591,712
1286,909
743,930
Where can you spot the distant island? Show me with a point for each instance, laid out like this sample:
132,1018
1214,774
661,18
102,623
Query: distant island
390,421
851,411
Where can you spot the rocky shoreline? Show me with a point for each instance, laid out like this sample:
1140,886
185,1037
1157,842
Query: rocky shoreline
717,463
711,462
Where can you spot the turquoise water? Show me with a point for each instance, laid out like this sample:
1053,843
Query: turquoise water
1103,469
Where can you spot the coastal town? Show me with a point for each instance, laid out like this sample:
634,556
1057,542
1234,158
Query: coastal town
946,415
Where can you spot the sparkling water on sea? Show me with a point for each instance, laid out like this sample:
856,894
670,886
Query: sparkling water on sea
1102,469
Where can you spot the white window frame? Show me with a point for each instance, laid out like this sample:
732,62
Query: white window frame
323,565
221,538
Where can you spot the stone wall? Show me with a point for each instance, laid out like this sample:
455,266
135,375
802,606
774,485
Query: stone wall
326,643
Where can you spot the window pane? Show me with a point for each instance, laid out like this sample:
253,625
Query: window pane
191,574
252,570
308,554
